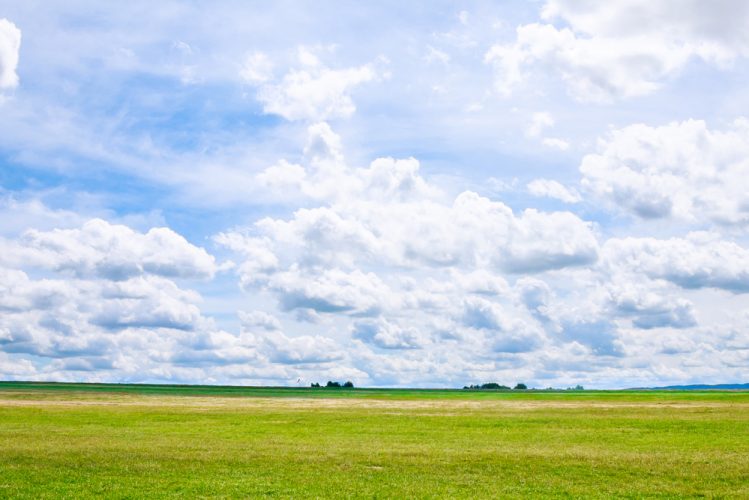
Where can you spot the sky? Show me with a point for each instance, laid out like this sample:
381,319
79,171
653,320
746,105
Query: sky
421,194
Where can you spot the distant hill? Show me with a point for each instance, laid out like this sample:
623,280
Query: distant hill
701,387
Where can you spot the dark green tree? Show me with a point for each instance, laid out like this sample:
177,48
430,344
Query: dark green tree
494,386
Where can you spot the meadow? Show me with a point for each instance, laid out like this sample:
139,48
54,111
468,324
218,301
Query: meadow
119,441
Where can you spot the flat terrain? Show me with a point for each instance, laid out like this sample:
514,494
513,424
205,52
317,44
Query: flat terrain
60,440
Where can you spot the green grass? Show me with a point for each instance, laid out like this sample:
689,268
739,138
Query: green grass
59,440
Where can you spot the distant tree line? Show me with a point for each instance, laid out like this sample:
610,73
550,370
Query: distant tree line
335,385
497,387
493,386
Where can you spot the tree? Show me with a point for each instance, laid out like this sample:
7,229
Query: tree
494,385
520,387
349,384
488,386
333,384
315,384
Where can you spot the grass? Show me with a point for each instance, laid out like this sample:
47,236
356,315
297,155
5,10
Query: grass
60,440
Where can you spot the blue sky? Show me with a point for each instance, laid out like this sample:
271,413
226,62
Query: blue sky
429,194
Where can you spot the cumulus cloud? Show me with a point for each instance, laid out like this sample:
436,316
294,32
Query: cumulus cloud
146,302
381,252
388,213
311,91
536,295
330,291
259,319
386,335
100,298
505,332
483,314
597,334
650,309
683,170
302,349
344,255
116,252
386,279
62,318
701,260
17,368
552,189
10,44
388,271
622,49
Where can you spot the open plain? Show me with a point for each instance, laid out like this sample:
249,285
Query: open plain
60,440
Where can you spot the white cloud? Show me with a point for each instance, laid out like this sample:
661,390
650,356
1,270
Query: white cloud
312,92
389,215
301,349
483,314
146,302
380,252
650,306
715,30
701,260
259,259
18,215
535,295
556,143
330,291
480,282
386,335
10,44
101,299
140,326
620,49
396,221
553,189
505,333
259,319
307,57
282,176
63,318
101,249
539,122
390,271
16,368
257,68
682,170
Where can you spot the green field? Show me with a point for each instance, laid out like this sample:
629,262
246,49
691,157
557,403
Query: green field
59,440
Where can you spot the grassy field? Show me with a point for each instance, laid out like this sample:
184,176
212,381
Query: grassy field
59,440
